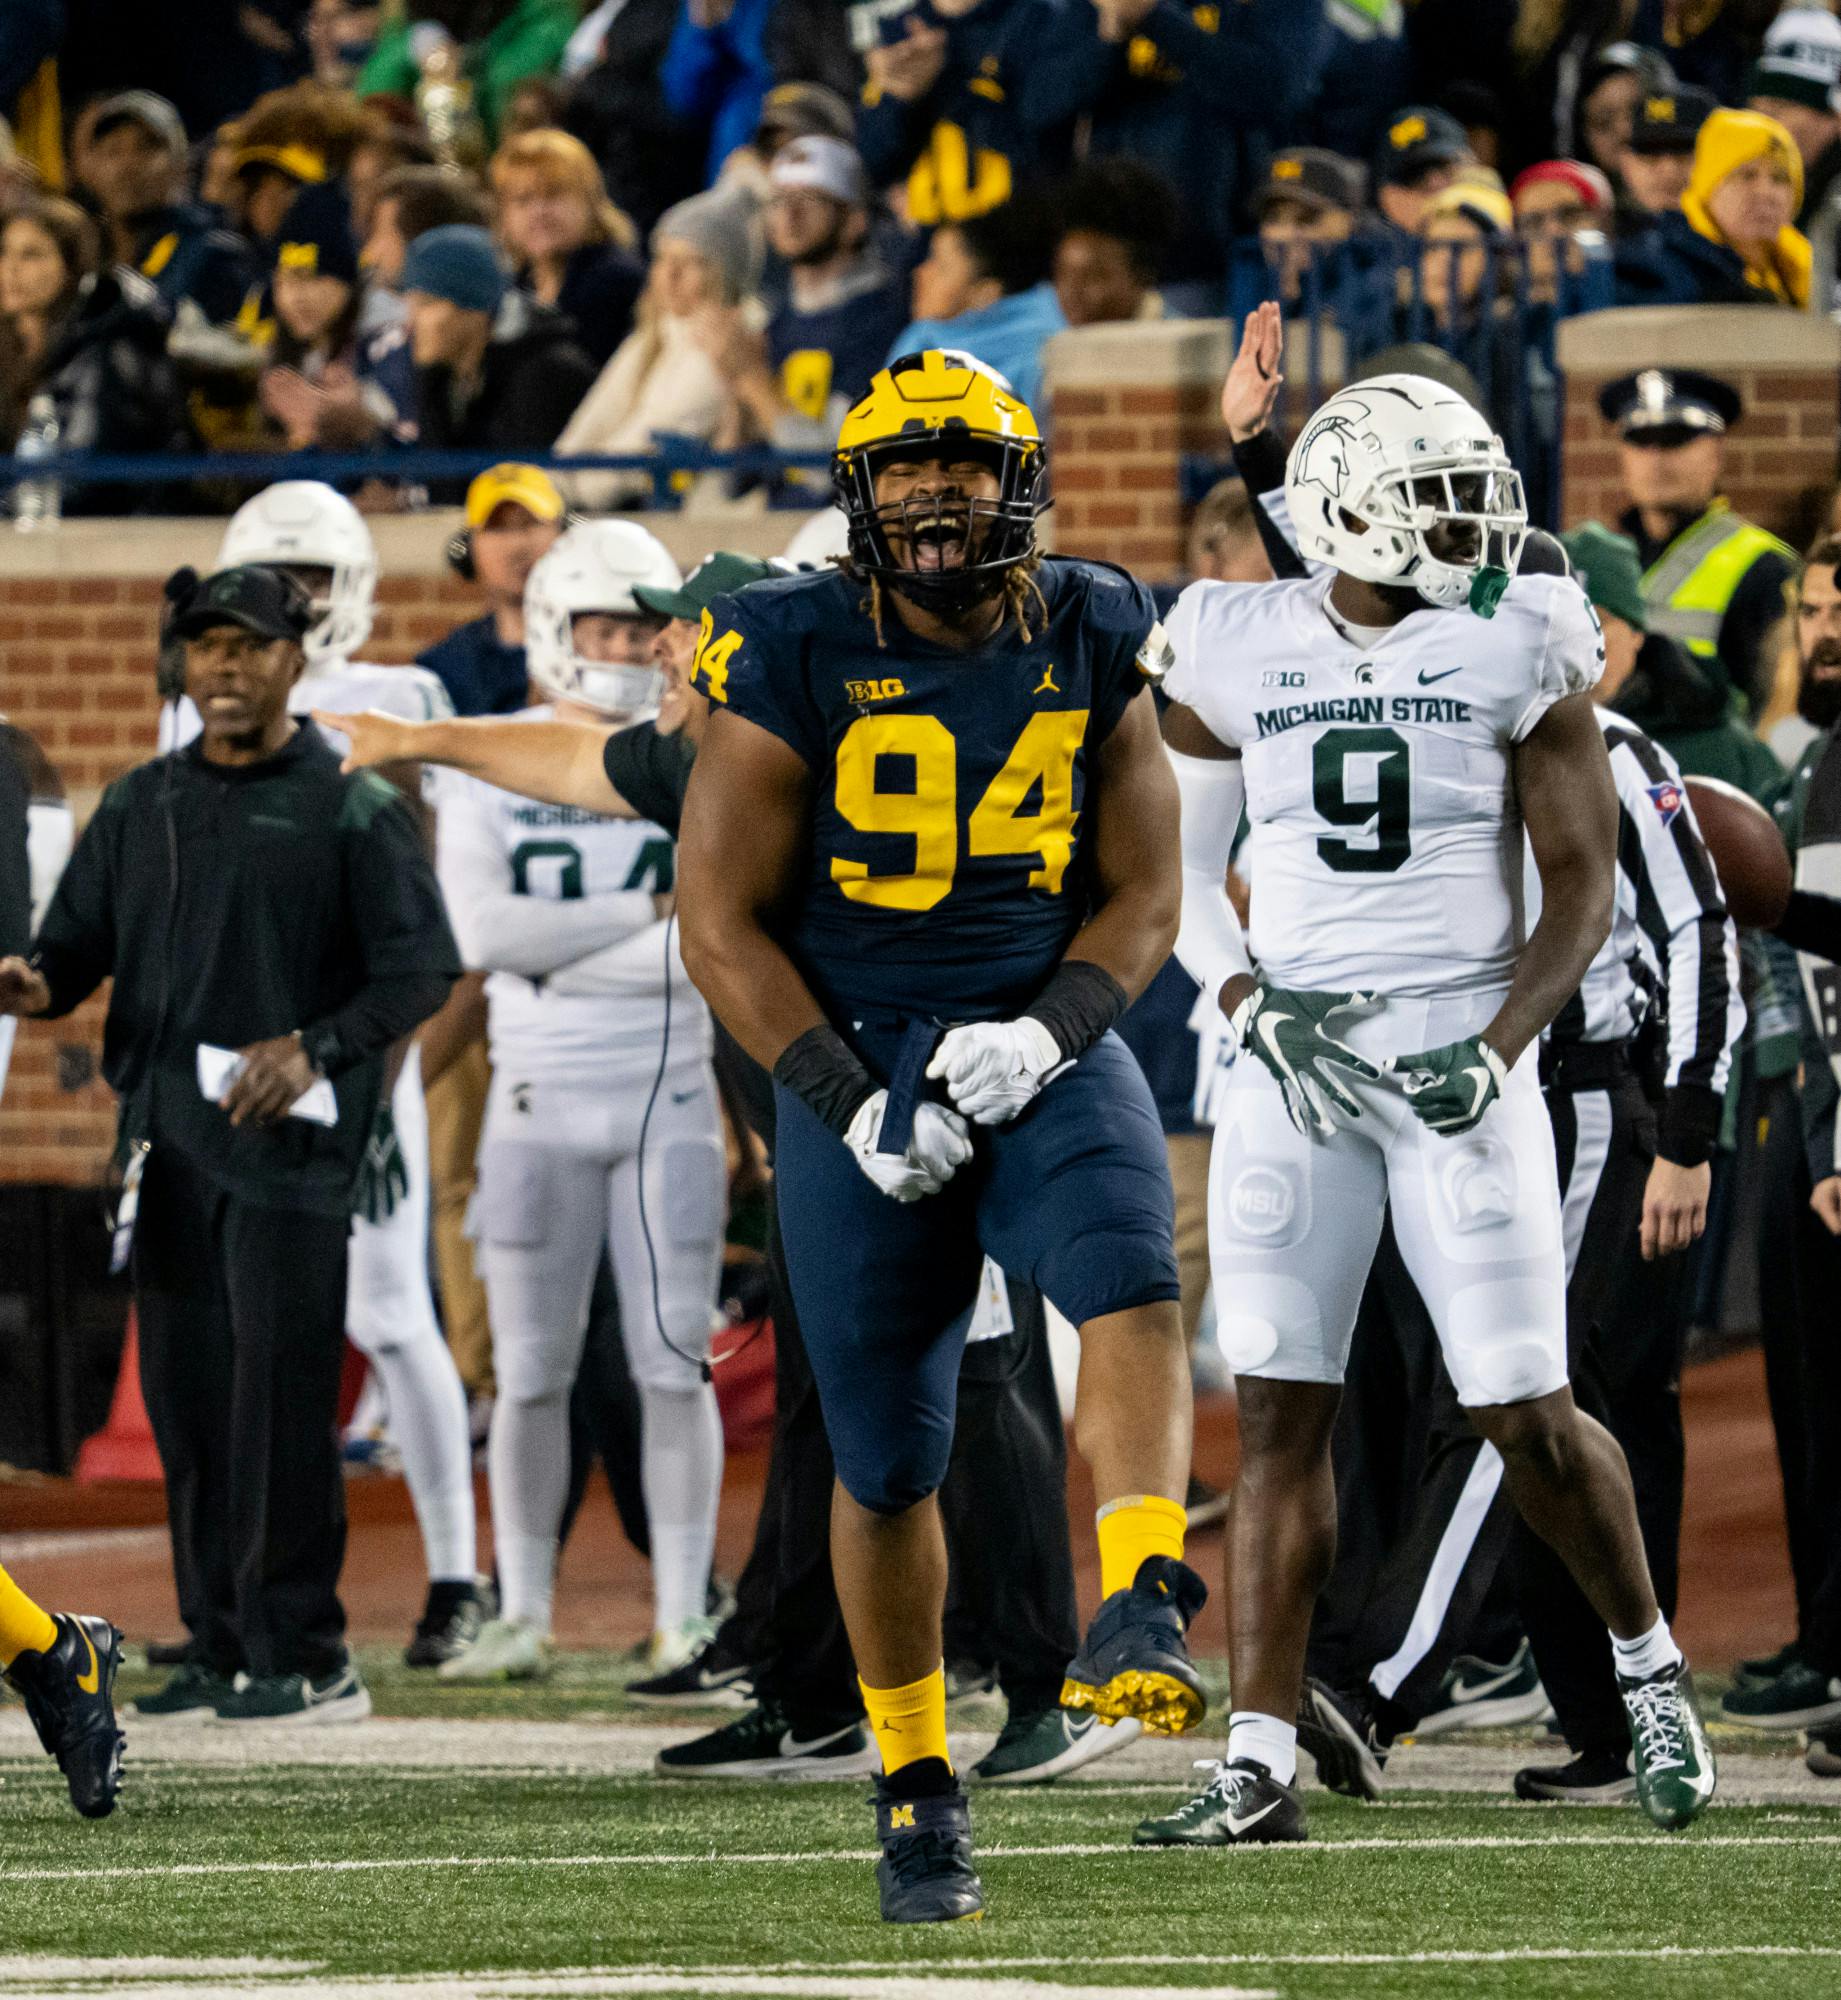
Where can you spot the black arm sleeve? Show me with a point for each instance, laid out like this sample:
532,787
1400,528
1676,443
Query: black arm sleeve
1260,462
1812,923
15,865
649,771
409,955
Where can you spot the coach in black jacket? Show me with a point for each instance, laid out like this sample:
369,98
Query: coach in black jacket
246,896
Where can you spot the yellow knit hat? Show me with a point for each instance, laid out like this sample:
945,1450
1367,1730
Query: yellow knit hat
1729,139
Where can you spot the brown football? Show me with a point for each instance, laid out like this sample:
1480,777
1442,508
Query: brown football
1747,849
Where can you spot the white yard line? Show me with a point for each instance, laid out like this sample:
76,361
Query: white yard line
857,1857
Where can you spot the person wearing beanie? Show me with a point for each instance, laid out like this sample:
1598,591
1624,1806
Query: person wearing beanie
671,375
1556,201
1733,241
494,371
315,285
1797,81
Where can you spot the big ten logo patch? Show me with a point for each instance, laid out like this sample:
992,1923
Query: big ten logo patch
864,692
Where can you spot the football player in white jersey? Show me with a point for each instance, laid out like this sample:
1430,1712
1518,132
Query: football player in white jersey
603,1124
320,538
1391,725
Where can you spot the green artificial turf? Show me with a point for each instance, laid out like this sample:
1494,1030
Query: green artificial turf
750,1882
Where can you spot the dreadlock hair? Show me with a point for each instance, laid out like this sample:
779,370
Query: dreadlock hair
1020,589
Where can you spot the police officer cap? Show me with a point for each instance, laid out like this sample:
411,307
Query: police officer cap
1664,400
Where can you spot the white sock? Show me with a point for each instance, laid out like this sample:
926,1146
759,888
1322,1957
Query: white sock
527,1463
1653,1653
680,1468
1264,1739
428,1425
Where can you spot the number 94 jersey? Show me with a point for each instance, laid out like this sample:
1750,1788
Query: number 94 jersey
1386,839
945,872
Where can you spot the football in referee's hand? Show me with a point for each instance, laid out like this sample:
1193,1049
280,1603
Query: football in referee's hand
1747,849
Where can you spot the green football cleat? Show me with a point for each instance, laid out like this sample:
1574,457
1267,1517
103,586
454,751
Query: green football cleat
1035,1749
1675,1776
69,1692
189,1690
1242,1805
1801,1697
340,1696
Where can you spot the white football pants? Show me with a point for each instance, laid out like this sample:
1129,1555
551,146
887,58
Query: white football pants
561,1173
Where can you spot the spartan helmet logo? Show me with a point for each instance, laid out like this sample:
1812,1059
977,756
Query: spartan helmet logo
1323,457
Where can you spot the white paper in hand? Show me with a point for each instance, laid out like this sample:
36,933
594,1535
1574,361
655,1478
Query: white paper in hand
218,1069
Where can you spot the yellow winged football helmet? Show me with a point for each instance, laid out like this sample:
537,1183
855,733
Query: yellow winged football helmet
928,405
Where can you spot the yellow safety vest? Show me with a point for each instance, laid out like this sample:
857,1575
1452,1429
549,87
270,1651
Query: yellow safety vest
1689,585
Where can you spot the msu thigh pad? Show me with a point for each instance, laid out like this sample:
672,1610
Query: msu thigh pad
1293,1222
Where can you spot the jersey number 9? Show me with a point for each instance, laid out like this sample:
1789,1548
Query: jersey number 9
927,811
1373,765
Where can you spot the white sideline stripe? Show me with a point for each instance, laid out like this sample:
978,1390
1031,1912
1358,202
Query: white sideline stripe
82,1542
1405,1843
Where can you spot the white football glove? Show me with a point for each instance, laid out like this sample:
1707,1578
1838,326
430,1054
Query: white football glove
993,1068
937,1148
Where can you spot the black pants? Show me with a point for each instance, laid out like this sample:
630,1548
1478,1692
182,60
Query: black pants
1011,1594
1454,1569
1799,1280
242,1322
604,1419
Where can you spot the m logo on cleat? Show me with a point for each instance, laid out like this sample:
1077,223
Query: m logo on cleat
901,1816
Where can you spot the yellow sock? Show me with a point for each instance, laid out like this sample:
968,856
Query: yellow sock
24,1628
909,1722
1131,1528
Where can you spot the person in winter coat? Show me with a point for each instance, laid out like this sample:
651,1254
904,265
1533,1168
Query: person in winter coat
1733,241
667,376
649,156
493,371
94,341
571,247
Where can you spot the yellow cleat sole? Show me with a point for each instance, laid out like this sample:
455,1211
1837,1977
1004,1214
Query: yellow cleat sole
1164,1705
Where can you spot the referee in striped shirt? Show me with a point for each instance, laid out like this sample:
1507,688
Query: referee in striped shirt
1635,1070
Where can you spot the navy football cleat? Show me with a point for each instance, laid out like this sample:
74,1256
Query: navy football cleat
1135,1660
926,1874
69,1692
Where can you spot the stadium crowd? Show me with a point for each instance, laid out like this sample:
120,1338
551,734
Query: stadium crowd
525,229
511,225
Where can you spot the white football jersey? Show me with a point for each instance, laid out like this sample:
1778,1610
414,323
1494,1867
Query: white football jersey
344,687
556,905
1386,840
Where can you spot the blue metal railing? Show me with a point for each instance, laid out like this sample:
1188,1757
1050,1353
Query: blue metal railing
793,479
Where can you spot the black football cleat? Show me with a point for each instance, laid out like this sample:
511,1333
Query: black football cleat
1135,1659
1242,1805
451,1620
69,1692
926,1874
1344,1740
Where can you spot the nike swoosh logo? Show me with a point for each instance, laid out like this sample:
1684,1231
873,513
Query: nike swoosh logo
790,1745
1237,1826
1466,1691
1077,1726
1483,1083
1426,680
91,1681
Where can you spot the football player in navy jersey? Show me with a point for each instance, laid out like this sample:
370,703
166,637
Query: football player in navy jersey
929,855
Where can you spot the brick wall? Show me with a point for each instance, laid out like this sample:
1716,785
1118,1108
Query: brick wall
78,627
1780,457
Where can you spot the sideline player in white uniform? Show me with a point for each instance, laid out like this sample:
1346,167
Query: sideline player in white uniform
320,538
603,1124
1391,729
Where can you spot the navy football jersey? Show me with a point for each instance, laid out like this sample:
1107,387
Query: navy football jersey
945,870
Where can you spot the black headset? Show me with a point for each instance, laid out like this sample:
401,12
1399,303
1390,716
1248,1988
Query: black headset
460,545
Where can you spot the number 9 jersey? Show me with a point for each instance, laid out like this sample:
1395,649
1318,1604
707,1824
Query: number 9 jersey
945,873
1386,841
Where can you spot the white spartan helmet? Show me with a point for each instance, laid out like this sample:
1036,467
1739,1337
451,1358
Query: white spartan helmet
594,566
304,524
1384,462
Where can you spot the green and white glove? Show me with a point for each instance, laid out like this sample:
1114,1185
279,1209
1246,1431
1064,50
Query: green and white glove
1451,1088
383,1174
1289,1033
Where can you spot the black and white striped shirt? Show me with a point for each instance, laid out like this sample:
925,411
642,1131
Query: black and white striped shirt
1671,943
